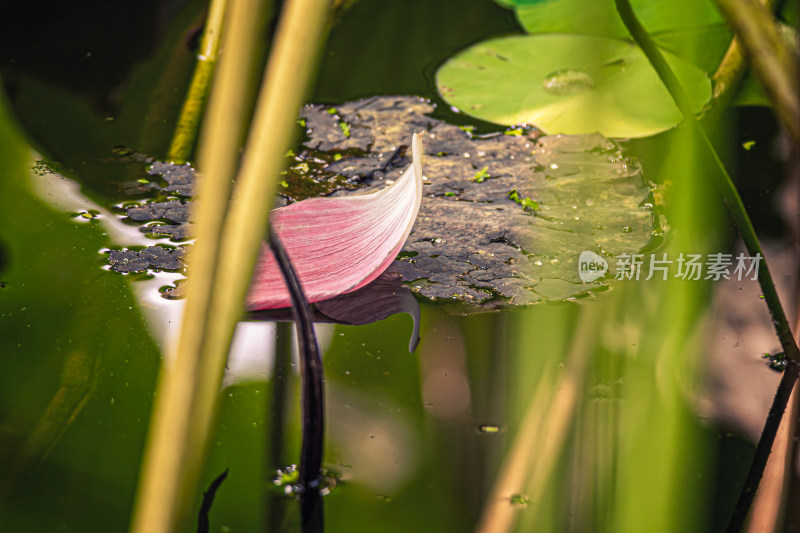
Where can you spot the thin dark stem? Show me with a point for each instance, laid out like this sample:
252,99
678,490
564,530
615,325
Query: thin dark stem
312,383
275,460
763,449
208,499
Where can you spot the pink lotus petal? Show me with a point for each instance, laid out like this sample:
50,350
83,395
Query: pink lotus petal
338,245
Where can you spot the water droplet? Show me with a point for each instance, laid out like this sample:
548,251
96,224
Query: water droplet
554,261
567,81
487,428
626,229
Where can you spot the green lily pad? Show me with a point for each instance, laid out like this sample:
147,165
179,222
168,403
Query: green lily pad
600,17
568,84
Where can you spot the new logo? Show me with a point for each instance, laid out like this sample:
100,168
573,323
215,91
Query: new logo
591,266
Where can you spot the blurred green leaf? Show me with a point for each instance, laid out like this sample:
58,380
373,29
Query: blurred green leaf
78,366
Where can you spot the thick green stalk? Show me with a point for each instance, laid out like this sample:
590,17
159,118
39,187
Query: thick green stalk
769,56
222,261
747,232
189,120
289,74
723,181
185,407
726,79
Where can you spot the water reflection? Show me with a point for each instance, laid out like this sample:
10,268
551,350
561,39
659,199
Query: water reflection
376,301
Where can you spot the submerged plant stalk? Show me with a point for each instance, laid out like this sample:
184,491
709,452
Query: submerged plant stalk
723,181
742,221
764,448
228,239
770,57
189,120
203,523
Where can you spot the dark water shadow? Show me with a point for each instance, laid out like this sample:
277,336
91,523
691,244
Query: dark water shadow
382,298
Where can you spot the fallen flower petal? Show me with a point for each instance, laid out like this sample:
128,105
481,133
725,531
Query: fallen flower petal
338,245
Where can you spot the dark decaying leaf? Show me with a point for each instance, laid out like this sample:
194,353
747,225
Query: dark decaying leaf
472,244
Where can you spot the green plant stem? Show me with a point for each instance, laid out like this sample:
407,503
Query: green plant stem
726,79
223,258
289,73
742,221
763,449
193,106
771,59
186,399
723,181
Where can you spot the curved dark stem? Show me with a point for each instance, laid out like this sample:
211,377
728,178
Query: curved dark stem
312,383
208,499
764,448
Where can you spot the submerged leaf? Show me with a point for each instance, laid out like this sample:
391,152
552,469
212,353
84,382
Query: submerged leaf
479,249
338,245
568,84
471,243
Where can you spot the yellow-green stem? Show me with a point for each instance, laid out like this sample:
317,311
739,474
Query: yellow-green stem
185,409
726,79
192,111
769,56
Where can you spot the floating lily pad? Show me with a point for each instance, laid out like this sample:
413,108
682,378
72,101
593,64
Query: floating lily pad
568,84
